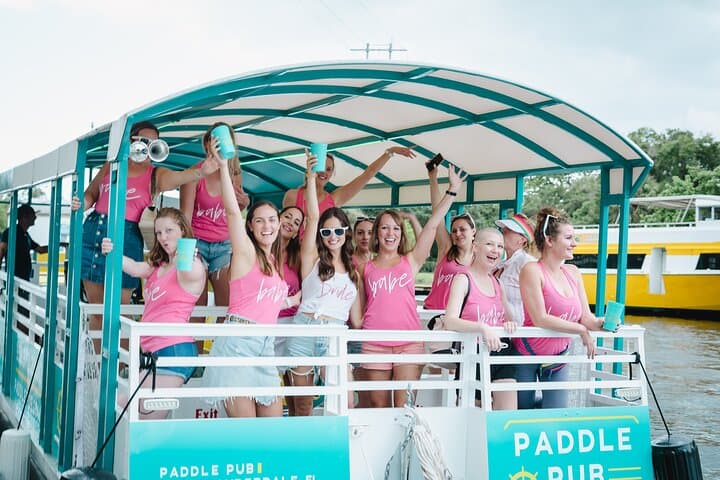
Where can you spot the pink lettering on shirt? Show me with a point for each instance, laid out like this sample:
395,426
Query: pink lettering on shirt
389,282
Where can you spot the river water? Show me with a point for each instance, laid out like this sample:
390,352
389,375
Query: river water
683,364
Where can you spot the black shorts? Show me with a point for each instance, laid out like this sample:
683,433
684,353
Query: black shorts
497,372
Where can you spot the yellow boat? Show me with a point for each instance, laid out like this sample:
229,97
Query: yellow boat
671,267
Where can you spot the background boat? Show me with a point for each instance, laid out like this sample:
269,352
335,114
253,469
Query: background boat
672,268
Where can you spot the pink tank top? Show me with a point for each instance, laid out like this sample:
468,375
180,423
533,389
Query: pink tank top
327,202
445,270
483,308
257,296
390,294
166,301
137,195
293,281
209,222
567,308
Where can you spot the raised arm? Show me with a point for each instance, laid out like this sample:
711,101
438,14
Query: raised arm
131,267
166,179
442,237
193,280
425,240
344,194
308,247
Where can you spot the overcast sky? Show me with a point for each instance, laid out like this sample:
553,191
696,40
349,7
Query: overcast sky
68,64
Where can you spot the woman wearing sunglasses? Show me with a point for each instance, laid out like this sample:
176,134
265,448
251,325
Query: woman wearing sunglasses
329,284
257,293
342,194
455,249
389,292
138,196
554,298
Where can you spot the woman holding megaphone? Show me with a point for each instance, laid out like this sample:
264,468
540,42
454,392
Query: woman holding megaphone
141,175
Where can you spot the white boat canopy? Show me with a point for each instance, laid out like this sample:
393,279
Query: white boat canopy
495,130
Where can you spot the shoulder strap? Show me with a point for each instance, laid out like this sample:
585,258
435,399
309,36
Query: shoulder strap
467,294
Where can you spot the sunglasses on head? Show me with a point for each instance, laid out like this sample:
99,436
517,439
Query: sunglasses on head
339,231
545,225
364,219
464,216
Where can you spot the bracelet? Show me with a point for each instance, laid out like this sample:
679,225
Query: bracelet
452,194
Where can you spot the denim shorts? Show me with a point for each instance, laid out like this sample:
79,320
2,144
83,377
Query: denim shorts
256,376
185,349
216,255
309,346
93,260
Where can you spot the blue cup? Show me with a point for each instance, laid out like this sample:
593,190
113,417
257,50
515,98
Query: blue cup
185,254
225,140
613,315
320,152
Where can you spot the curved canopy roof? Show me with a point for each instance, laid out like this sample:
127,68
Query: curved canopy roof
495,130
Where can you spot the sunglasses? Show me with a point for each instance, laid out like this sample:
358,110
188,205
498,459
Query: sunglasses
339,232
463,216
545,225
145,140
364,219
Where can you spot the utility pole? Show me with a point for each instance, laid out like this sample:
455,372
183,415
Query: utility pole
383,47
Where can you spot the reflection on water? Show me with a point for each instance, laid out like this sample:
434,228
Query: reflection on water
683,363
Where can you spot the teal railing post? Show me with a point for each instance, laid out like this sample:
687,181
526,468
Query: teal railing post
9,360
112,300
49,392
602,254
623,248
72,318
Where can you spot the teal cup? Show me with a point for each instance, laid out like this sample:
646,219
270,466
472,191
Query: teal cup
225,141
613,315
320,152
185,253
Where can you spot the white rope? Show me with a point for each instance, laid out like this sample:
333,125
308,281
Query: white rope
429,450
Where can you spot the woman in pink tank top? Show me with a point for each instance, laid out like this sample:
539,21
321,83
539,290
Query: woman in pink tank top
476,303
291,219
170,295
201,202
454,249
389,292
138,196
257,293
343,194
554,298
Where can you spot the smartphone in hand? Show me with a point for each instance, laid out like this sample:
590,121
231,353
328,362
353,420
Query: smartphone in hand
434,162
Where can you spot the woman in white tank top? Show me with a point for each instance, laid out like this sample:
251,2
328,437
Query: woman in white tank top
329,284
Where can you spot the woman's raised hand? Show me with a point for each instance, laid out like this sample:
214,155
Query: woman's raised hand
106,246
404,151
455,179
75,204
312,160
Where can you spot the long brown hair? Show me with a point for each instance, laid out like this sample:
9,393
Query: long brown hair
292,251
453,253
158,255
403,244
266,264
326,270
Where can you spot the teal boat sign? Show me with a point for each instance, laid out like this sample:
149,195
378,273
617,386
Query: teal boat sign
297,448
570,444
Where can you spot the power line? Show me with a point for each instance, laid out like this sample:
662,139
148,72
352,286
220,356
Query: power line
382,47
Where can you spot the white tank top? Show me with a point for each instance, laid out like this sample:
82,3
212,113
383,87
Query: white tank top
332,298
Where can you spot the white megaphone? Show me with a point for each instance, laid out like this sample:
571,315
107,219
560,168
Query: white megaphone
158,150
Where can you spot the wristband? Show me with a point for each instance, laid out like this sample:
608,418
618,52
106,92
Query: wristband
452,194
